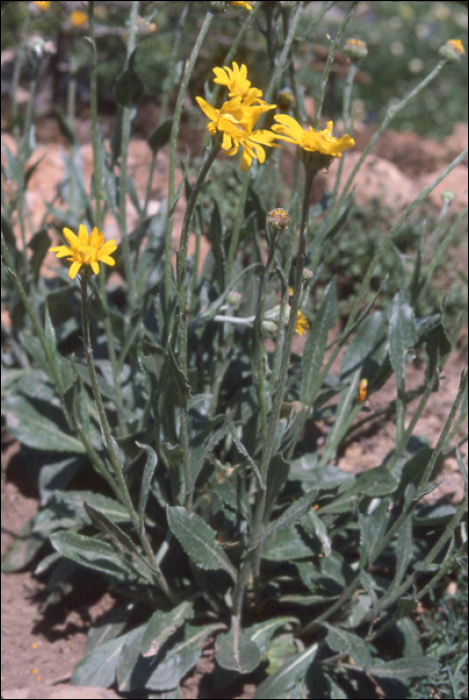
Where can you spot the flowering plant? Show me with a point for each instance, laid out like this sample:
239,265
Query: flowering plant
204,402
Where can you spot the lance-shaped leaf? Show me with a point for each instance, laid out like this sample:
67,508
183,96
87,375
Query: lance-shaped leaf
148,472
38,429
198,540
162,625
340,640
236,651
409,667
292,673
92,554
315,345
290,516
402,335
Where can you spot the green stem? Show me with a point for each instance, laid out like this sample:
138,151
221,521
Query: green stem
100,216
394,529
172,201
126,128
181,319
253,556
328,66
234,241
391,113
116,464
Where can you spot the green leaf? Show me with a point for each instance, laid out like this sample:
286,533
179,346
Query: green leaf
290,516
64,127
160,135
292,673
285,545
409,667
162,625
367,348
39,244
147,477
243,450
179,654
340,640
93,554
313,353
128,88
24,549
121,540
198,540
438,346
178,380
402,336
372,530
263,632
34,429
99,666
236,651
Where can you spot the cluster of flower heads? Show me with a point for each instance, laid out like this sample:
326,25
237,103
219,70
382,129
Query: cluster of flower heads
234,124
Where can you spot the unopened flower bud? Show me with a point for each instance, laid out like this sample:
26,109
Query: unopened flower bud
270,327
145,28
448,196
355,49
285,99
278,219
452,51
307,274
234,299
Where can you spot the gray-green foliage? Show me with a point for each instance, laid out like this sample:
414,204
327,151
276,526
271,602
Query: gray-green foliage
205,497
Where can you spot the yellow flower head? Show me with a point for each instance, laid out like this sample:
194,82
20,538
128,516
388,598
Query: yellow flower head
78,18
247,5
85,250
234,124
452,51
302,324
311,140
235,79
44,6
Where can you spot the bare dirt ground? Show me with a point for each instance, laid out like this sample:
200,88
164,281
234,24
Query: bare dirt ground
39,651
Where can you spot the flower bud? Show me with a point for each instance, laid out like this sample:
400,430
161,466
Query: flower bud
452,51
278,219
234,299
355,49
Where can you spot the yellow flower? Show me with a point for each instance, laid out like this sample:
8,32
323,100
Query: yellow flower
235,79
78,18
323,142
44,6
302,324
247,5
85,250
234,123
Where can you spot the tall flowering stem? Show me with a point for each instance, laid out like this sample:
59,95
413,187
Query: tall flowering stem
168,270
115,460
181,319
95,135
